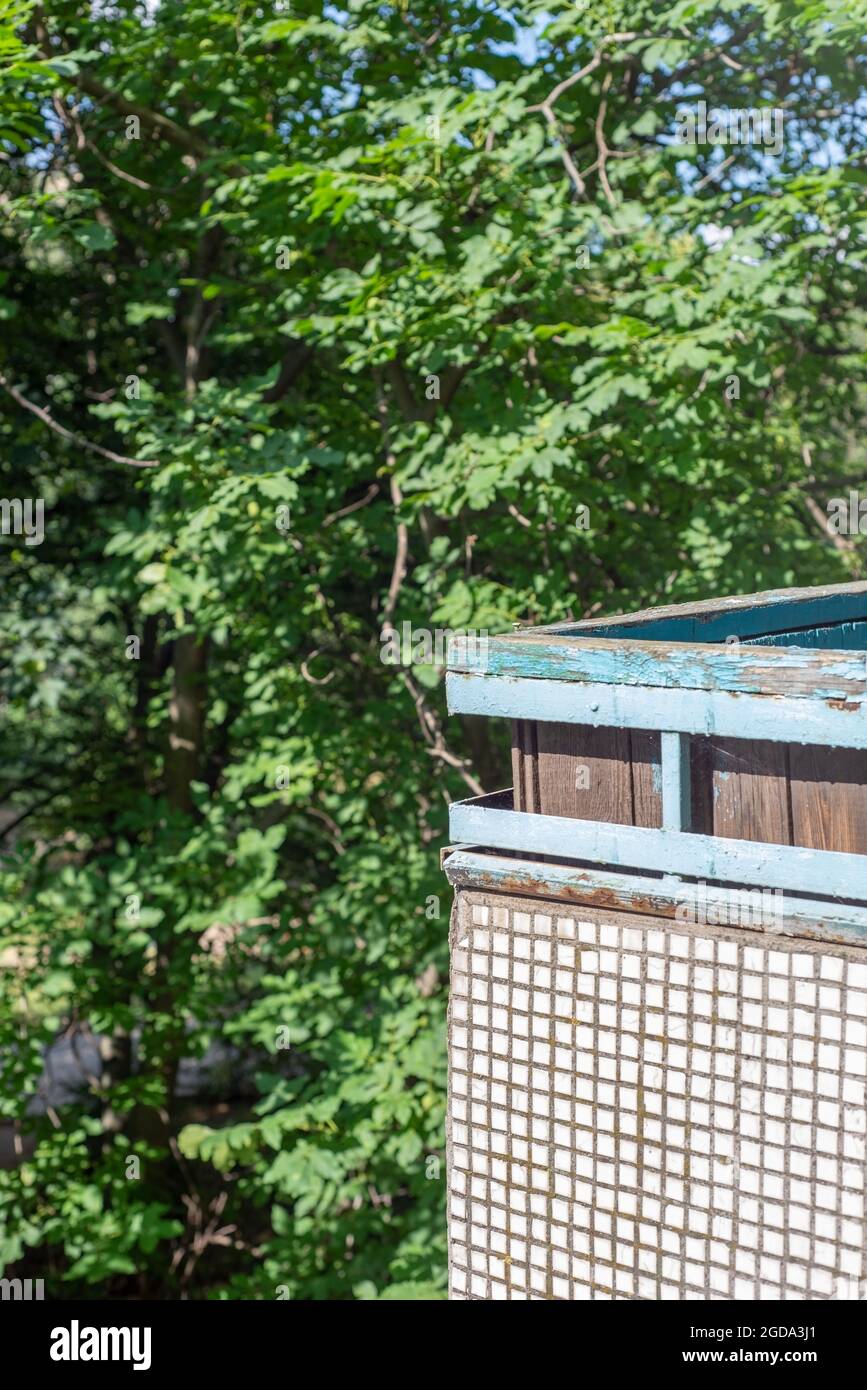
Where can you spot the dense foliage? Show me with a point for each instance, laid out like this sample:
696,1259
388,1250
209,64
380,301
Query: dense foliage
318,320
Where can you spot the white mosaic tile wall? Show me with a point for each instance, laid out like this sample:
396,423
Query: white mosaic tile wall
652,1111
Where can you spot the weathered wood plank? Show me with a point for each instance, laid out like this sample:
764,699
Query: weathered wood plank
482,821
518,763
813,918
743,790
526,766
750,669
750,790
701,767
829,798
585,772
841,723
646,760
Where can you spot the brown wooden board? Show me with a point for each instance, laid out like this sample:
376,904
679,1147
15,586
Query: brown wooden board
585,772
749,780
644,748
701,786
525,765
518,764
590,774
829,797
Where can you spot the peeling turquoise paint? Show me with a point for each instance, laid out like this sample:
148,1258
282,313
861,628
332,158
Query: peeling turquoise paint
751,669
718,713
837,637
797,674
487,822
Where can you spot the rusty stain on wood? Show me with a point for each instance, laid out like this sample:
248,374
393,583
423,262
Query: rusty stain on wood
593,887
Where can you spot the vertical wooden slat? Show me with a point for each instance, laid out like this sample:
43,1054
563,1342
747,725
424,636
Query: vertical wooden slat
518,764
645,760
829,797
750,790
584,772
532,799
601,756
701,776
675,781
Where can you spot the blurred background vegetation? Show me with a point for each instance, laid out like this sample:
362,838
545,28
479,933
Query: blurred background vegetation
320,319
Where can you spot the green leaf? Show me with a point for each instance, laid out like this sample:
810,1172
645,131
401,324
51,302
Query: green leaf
93,236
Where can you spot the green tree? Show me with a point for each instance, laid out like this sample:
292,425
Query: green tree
319,322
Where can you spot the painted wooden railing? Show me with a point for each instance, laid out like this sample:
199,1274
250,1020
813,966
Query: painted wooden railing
633,673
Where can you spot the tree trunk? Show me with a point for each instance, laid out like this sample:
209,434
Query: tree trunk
186,722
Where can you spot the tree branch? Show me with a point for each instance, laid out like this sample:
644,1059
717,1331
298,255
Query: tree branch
398,572
396,375
432,733
821,519
154,120
64,433
294,361
601,144
372,491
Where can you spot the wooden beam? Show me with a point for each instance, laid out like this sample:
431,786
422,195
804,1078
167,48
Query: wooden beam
814,918
813,674
834,722
485,821
675,782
